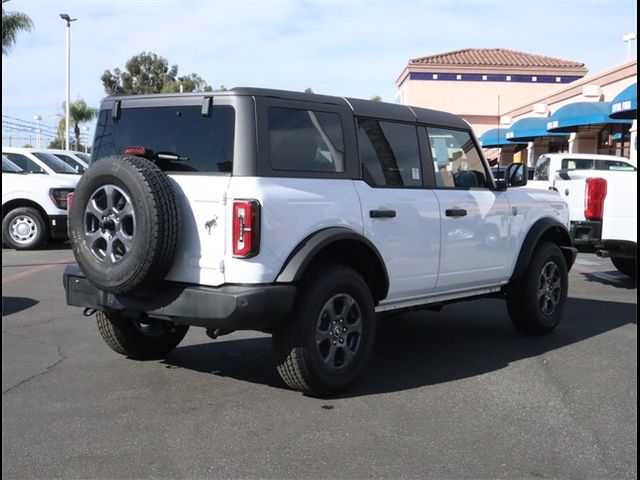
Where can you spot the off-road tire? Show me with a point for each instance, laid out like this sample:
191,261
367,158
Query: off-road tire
137,339
29,229
299,353
145,254
535,301
626,266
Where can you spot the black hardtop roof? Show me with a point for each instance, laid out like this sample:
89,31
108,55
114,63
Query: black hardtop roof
360,107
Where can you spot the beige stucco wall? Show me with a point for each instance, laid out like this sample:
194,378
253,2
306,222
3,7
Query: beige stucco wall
471,98
477,102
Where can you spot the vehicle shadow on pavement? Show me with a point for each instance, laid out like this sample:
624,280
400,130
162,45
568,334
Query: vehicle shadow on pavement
423,348
612,278
16,304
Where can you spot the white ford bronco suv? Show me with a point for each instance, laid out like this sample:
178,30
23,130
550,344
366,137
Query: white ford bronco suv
305,216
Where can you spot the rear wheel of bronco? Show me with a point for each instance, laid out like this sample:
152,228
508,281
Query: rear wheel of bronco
536,300
124,224
626,266
23,229
140,339
326,344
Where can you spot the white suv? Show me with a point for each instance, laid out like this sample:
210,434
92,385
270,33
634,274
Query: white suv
302,215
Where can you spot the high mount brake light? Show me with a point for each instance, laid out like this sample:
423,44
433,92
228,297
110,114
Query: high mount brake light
141,151
246,228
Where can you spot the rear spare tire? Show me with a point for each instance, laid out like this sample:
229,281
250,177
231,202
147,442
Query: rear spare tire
124,224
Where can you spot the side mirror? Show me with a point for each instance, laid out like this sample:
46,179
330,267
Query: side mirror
501,184
517,175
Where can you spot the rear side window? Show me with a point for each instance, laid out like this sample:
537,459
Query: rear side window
204,143
614,165
305,140
576,164
456,160
25,163
389,153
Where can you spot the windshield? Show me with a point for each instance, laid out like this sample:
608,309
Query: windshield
9,167
72,162
53,163
83,156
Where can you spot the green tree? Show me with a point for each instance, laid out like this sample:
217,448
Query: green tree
148,72
79,112
189,83
12,24
308,90
376,98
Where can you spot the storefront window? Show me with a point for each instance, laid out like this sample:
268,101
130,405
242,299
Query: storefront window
614,140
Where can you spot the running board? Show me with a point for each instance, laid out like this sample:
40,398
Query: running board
437,298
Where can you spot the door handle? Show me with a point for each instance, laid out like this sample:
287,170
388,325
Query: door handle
382,213
455,212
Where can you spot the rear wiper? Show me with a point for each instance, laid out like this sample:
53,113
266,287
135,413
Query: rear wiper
170,156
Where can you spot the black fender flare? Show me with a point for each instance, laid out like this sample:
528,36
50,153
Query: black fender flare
308,249
544,229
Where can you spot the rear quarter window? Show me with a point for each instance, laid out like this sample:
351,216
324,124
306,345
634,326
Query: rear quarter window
305,140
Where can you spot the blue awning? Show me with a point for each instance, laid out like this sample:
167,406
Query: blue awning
528,129
581,114
625,104
496,137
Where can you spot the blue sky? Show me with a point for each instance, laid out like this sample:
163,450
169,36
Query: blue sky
351,48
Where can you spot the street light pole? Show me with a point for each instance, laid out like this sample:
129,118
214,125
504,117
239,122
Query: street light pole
629,37
37,118
67,121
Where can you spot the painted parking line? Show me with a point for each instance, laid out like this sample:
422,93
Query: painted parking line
581,261
31,271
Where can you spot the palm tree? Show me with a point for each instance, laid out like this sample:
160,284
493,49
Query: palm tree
12,24
79,112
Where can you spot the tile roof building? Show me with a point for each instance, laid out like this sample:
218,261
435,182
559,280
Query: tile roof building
496,87
480,84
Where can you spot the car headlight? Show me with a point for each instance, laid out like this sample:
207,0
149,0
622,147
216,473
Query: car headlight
59,196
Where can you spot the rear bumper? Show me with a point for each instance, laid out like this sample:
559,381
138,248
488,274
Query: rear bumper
230,307
58,226
586,234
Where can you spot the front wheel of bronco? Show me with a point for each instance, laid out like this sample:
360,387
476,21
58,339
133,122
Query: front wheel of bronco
327,342
536,300
140,339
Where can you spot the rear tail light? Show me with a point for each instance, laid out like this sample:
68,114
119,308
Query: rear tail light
69,202
594,195
246,228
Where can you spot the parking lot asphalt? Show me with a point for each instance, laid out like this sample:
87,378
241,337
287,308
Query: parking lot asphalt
455,394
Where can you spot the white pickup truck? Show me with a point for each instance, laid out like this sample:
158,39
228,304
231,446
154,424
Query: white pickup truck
620,225
34,206
589,201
